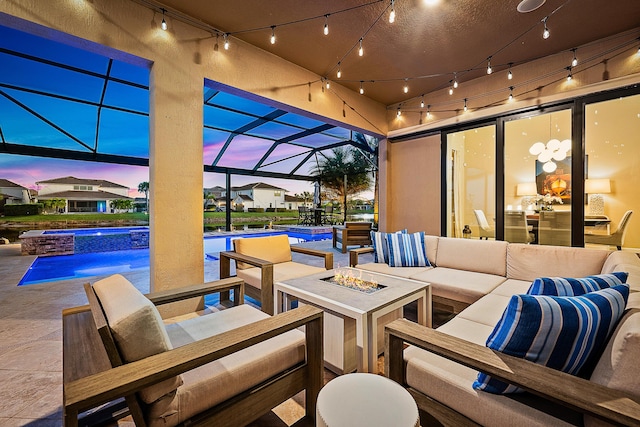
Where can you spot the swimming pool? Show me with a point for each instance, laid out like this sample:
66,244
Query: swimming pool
62,267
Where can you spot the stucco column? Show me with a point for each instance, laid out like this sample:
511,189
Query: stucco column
175,179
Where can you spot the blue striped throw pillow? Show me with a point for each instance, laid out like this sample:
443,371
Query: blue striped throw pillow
563,333
381,247
407,250
568,287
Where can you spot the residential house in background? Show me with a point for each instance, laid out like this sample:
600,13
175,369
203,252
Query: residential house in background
12,193
256,195
83,195
213,197
294,202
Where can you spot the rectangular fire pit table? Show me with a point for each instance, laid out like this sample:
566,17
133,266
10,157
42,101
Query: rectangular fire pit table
354,319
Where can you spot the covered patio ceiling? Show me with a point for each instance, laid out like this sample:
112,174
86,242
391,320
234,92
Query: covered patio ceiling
62,102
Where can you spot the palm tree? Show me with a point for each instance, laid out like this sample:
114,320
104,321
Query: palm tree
372,143
346,163
143,187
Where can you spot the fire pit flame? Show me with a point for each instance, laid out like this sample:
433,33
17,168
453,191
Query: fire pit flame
349,279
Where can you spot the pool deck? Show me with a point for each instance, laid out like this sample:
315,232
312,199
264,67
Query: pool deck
31,339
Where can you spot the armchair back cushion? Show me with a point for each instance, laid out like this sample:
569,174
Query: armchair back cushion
527,262
488,257
275,249
137,328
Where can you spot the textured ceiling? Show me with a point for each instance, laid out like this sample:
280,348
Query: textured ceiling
452,36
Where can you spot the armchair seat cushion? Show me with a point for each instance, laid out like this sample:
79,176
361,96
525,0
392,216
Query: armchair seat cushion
210,384
405,272
282,271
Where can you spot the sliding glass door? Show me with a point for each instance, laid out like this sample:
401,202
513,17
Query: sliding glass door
471,175
538,178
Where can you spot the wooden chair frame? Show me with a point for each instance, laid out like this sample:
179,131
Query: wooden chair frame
91,379
611,405
265,293
352,233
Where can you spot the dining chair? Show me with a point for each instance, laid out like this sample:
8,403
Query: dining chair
516,229
614,239
484,229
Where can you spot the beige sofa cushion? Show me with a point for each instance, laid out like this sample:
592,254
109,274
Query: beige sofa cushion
487,310
450,383
512,287
624,261
283,271
217,381
459,285
136,326
380,267
482,256
275,249
468,330
431,247
527,262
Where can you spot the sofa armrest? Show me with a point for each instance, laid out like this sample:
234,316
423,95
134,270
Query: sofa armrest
354,253
585,396
187,292
328,256
106,386
266,276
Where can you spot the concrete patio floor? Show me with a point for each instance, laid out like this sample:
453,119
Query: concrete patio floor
31,340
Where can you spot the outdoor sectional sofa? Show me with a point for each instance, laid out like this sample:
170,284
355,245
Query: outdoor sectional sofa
440,366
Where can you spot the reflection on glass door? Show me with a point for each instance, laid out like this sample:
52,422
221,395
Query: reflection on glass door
537,179
613,172
471,183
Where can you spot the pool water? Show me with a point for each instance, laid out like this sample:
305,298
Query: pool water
62,267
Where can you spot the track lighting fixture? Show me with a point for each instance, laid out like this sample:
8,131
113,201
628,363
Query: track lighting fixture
339,73
361,88
326,25
455,81
163,25
405,89
510,93
273,34
328,83
422,102
226,41
428,111
450,89
392,14
465,104
545,33
399,112
574,62
360,50
569,75
510,74
489,69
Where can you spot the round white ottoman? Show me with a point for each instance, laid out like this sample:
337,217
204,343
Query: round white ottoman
365,400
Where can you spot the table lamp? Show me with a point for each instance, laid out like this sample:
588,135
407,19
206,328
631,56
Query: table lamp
595,188
528,190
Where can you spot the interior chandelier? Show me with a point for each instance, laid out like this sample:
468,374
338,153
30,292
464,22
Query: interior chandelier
553,150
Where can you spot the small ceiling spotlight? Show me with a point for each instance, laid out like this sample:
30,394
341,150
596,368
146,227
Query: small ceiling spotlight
569,75
465,104
428,111
422,102
574,61
510,93
226,41
451,90
360,49
163,24
326,25
489,69
510,74
361,88
405,89
328,83
545,33
273,34
392,14
455,81
399,112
